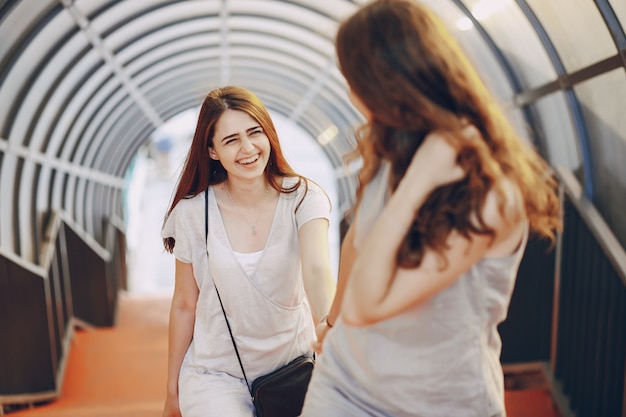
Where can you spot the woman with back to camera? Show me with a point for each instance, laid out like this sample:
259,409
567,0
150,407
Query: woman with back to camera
268,256
448,195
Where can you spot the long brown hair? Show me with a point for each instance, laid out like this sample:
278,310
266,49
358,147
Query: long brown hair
200,171
407,69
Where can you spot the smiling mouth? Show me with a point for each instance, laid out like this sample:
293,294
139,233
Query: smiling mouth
248,161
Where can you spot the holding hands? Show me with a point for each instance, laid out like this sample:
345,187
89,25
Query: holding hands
320,330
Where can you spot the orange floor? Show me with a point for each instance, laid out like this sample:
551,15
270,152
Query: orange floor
120,372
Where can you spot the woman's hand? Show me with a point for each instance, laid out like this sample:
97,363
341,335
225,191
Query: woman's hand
320,330
435,161
171,408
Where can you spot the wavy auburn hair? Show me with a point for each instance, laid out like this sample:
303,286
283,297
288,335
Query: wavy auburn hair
200,171
403,64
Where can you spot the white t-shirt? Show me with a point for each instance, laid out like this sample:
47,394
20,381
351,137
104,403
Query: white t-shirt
268,313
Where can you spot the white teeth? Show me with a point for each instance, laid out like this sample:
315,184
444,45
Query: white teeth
249,160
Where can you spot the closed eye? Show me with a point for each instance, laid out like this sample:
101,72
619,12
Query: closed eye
230,139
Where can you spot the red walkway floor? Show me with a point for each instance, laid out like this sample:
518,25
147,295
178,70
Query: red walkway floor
121,372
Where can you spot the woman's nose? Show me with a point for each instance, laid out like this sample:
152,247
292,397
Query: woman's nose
246,144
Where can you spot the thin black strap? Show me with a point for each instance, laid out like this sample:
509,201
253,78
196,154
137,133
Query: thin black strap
206,236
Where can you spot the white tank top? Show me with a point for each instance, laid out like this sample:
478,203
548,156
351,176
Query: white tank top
441,358
249,261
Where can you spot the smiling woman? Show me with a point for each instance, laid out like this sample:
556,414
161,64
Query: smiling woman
264,228
148,191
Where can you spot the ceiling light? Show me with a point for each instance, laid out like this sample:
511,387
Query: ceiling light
328,135
487,8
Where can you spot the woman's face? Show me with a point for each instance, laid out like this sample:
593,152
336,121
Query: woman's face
240,144
360,106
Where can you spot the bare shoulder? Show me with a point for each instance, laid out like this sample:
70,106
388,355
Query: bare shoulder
504,212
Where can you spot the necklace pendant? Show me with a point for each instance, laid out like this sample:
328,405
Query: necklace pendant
252,226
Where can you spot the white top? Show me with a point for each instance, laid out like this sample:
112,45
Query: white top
269,314
441,358
248,261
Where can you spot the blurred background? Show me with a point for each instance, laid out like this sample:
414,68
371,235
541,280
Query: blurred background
98,99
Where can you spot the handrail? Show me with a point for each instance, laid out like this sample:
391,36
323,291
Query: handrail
86,237
32,267
61,294
57,219
594,220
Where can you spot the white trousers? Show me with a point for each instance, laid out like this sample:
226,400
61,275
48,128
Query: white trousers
213,395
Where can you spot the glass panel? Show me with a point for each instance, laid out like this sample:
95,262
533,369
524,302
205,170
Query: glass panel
510,30
577,30
619,7
475,47
602,102
556,137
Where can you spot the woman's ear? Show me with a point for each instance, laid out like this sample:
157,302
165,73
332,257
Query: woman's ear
213,154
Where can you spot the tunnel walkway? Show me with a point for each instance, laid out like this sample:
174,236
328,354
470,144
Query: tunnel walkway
117,369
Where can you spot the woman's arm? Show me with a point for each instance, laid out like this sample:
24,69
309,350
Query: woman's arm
182,319
316,272
377,289
346,260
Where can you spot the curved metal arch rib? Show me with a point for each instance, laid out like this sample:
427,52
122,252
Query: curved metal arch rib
120,68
